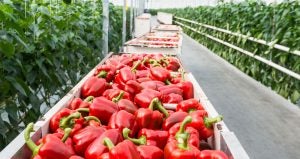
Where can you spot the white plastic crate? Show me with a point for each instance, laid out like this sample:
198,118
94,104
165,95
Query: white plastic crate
223,139
164,18
142,25
167,28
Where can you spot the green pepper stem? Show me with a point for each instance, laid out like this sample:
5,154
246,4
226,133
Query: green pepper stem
119,97
31,145
164,60
161,108
144,60
182,136
83,110
186,120
89,118
133,69
182,140
182,75
67,132
168,82
102,74
69,120
108,143
139,141
152,104
154,62
89,99
210,121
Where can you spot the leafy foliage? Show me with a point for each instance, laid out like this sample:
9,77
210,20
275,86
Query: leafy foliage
274,23
45,49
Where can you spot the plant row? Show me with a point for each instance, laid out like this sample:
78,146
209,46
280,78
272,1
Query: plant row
276,23
45,48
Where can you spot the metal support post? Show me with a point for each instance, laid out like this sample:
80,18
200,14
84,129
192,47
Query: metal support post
105,24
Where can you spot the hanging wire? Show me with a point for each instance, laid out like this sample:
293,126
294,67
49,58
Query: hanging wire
50,8
25,9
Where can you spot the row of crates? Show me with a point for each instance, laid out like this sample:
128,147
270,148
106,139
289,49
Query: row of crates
163,39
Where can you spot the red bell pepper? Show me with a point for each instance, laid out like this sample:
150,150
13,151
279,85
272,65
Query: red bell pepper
127,105
147,118
115,61
132,87
171,86
115,95
55,120
123,104
76,157
193,133
207,126
104,156
103,109
143,65
118,81
75,103
187,88
148,137
173,119
155,85
150,152
160,74
142,73
74,121
84,137
126,59
93,86
79,103
106,71
172,98
125,149
143,79
212,154
97,147
144,98
171,90
122,119
127,74
179,147
189,105
92,121
199,119
172,64
51,146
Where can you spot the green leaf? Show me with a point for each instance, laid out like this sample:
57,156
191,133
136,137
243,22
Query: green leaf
39,62
295,96
19,85
7,48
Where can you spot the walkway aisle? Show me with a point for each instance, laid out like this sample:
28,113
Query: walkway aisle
267,125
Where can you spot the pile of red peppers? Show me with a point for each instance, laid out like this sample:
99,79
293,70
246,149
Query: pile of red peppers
120,115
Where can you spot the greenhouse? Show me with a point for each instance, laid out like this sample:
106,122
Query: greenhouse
149,79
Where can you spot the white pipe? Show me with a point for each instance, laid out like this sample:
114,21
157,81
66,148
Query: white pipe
270,44
268,62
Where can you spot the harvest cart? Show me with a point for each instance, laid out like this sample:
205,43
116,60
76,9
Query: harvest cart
142,25
155,42
164,18
223,138
167,28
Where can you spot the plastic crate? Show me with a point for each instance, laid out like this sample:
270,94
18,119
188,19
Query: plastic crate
142,25
164,18
223,139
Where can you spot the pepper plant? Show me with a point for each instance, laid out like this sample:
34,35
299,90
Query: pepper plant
46,47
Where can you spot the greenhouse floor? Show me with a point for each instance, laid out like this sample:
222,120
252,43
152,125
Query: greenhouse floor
266,124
